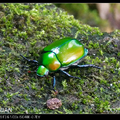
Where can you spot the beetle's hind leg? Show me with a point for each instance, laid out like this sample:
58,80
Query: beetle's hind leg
90,65
69,74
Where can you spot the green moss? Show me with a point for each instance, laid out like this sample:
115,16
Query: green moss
26,29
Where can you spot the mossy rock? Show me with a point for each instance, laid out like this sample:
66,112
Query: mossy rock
26,29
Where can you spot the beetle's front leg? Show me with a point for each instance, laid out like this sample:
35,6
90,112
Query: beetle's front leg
90,65
69,74
54,82
33,61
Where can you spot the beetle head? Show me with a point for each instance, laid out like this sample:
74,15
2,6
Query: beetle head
42,71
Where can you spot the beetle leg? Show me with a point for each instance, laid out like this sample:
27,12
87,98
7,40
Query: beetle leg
33,61
54,82
69,74
90,65
80,39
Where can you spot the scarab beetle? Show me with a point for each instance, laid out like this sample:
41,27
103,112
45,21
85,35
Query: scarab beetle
61,55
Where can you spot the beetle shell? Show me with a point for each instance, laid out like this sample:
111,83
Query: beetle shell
62,53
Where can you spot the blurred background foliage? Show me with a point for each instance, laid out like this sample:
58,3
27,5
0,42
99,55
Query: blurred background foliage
106,16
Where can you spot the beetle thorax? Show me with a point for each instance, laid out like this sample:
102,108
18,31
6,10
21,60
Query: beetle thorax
50,61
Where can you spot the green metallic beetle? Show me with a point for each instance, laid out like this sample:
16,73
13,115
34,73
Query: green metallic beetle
61,55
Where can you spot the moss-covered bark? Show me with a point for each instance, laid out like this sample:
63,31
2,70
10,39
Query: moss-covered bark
26,29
